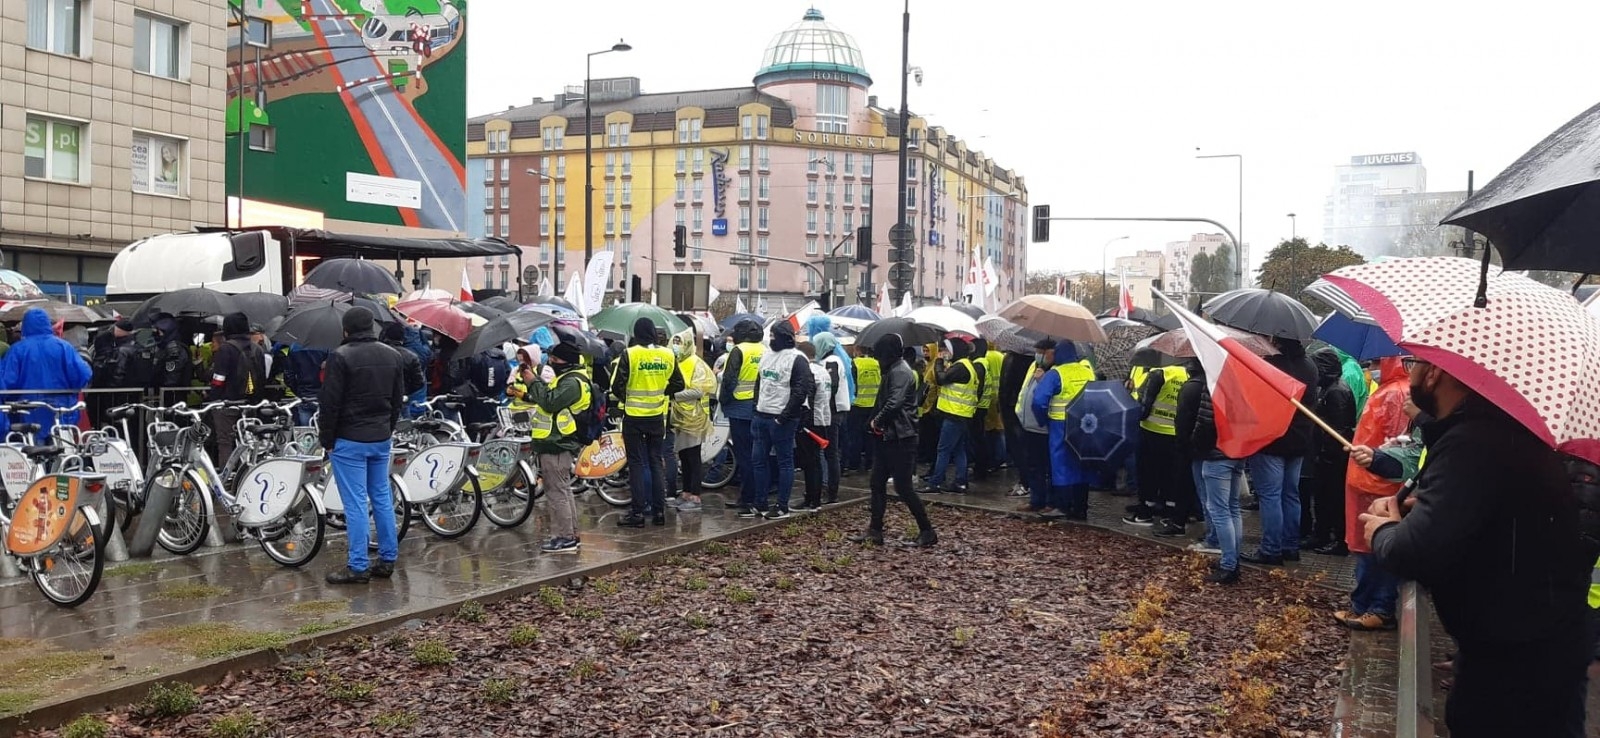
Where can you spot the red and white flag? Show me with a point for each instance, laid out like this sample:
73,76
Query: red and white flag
1252,401
1124,297
1061,286
466,285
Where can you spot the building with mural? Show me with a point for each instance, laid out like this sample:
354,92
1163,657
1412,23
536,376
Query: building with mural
353,109
761,177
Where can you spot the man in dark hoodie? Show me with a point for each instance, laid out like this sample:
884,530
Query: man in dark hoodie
894,424
645,379
238,373
783,386
1275,470
362,392
736,395
394,336
959,383
1336,405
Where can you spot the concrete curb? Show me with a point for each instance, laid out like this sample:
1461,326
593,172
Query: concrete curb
58,713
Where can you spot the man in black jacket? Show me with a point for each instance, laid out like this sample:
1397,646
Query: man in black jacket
363,391
1336,405
394,336
894,423
238,373
645,377
1275,470
1491,529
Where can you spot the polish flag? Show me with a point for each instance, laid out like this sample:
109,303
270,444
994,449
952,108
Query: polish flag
1124,298
466,285
797,321
1252,401
1061,286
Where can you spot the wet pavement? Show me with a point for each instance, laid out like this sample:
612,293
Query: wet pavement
157,617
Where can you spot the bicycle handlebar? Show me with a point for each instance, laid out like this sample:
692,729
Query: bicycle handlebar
22,406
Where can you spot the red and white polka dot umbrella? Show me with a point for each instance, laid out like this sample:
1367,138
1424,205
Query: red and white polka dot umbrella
1532,350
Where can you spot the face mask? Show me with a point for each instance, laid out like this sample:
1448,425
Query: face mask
1377,376
1038,359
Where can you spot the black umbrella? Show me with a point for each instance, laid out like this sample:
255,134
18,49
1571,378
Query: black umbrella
553,300
914,334
479,309
380,312
732,320
196,302
969,308
315,326
503,303
355,276
1543,211
261,307
590,345
1263,312
505,327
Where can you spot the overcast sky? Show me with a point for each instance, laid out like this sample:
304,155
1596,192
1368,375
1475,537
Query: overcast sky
1100,106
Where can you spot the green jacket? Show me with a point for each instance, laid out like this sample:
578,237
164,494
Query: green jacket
553,400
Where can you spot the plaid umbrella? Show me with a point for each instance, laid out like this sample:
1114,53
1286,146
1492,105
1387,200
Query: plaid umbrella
1115,356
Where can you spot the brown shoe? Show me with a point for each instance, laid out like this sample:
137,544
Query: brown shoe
1025,507
1343,617
1371,621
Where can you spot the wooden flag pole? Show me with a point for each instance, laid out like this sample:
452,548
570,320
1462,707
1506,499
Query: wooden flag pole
1344,442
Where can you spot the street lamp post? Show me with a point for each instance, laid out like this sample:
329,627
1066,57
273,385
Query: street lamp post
902,178
1238,259
1293,234
588,150
1104,250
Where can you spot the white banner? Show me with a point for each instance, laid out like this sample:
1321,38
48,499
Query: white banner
575,293
546,289
595,280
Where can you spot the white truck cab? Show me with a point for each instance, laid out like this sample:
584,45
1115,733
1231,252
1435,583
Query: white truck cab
235,263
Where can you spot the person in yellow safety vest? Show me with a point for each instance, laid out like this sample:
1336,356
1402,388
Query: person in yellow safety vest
1032,452
560,390
1159,463
857,442
959,387
736,394
987,441
646,376
691,416
1069,480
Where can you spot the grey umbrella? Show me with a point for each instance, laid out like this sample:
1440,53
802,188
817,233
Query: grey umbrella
355,276
1115,356
261,307
1263,312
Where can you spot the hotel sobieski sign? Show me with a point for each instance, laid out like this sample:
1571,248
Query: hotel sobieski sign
844,140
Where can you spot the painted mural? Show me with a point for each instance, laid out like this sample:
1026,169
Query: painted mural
354,108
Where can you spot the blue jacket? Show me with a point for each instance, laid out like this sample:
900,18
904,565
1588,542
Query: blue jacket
416,345
303,371
1050,383
41,361
1065,468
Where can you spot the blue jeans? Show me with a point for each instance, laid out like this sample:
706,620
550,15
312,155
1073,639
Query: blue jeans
304,411
362,472
1376,590
952,448
772,442
739,438
1276,482
1197,470
1224,518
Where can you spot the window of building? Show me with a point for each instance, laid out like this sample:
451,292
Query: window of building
849,192
811,246
505,196
744,157
613,133
744,188
561,167
505,224
698,244
762,244
866,196
561,195
561,226
683,130
699,219
761,278
611,165
829,229
833,108
611,193
505,169
866,166
160,46
263,138
611,222
611,244
811,192
699,160
624,129
682,191
57,25
627,224
627,244
677,218
544,253
812,160
744,218
746,129
849,163
744,278
763,161
764,188
811,221
849,223
850,247
54,149
812,286
544,228
694,130
627,163
160,165
683,161
761,127
829,198
699,190
627,192
911,197
744,244
553,137
763,221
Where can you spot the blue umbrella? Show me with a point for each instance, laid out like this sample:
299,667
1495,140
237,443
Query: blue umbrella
1103,422
732,320
858,312
1361,340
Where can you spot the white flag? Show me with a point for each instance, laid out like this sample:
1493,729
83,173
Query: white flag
905,305
712,295
738,305
575,292
546,289
990,281
595,280
883,301
761,306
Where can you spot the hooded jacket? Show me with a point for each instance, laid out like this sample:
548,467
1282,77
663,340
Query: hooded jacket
1050,384
839,374
1336,405
1300,439
394,336
644,334
784,383
1385,418
239,367
41,361
363,389
894,416
819,324
745,331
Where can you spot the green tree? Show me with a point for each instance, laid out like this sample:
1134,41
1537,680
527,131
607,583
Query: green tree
1200,273
1042,282
1294,264
1222,270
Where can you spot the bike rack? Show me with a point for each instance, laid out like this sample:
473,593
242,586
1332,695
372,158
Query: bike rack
116,549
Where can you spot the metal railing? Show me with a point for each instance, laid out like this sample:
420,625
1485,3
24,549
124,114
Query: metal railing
1414,716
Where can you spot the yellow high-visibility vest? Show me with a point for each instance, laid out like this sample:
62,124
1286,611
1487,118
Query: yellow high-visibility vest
649,370
960,400
748,370
991,378
1136,378
868,377
1163,418
543,425
1073,377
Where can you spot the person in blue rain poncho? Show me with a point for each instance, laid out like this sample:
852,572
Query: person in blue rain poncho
821,323
1069,480
42,361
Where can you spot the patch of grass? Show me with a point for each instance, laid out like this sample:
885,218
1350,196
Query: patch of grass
397,640
13,701
770,554
794,529
432,653
523,636
911,530
606,586
321,627
833,536
395,720
736,569
169,699
697,620
17,644
962,636
584,669
820,564
41,668
472,612
647,576
696,583
677,560
236,725
718,548
739,595
498,691
317,607
552,598
86,726
843,562
190,591
210,640
344,691
785,582
656,598
586,613
629,638
135,569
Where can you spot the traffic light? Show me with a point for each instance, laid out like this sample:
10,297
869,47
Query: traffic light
680,242
864,244
636,293
1041,224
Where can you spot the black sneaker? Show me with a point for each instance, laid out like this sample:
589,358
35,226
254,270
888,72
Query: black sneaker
1142,519
1260,559
959,489
560,545
658,519
750,512
778,514
631,521
930,490
1135,508
1169,529
346,575
1223,576
809,507
382,570
732,505
925,539
1291,555
869,538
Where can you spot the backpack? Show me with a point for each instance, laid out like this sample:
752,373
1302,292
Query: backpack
591,421
489,374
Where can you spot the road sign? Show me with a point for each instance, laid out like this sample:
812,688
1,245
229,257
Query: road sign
900,275
900,235
719,226
837,268
907,255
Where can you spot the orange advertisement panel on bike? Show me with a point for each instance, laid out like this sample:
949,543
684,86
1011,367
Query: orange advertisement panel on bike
43,515
602,458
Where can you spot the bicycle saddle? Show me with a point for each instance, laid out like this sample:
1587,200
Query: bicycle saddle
476,428
26,428
43,452
267,430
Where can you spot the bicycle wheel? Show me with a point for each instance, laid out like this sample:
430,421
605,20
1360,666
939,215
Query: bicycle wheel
720,471
615,489
453,513
512,502
183,528
402,509
297,537
70,571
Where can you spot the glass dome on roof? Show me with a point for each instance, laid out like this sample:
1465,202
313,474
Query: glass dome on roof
812,45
